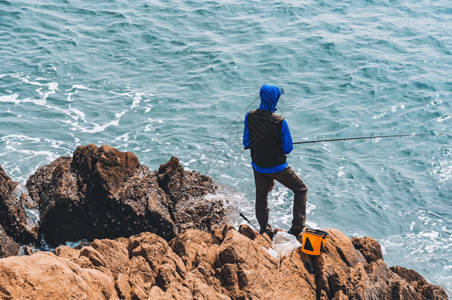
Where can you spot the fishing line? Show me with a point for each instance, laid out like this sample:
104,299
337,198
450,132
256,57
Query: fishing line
249,222
371,137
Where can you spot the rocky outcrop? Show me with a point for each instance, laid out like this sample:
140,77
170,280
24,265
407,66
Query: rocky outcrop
8,247
369,248
222,264
13,217
101,192
185,190
359,273
428,291
161,235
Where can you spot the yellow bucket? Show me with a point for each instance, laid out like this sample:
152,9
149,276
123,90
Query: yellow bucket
313,242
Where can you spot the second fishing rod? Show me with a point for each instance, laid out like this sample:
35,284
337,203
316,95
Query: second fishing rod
372,137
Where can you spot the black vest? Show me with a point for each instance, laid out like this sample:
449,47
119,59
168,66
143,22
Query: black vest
265,136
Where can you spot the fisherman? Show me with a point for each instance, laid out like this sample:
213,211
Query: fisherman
267,135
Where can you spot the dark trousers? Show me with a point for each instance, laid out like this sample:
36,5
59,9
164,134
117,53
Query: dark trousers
290,179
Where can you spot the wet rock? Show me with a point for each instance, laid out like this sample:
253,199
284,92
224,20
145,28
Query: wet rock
170,178
200,213
181,185
98,193
422,287
38,182
13,217
103,193
8,247
26,250
101,172
222,264
188,192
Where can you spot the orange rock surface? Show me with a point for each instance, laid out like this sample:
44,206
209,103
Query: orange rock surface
223,264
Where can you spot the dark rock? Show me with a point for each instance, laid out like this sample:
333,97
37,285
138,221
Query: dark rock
43,176
105,193
186,190
8,247
101,172
427,290
170,178
99,193
369,248
13,216
182,185
199,213
25,250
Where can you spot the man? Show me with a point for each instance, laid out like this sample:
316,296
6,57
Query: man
267,135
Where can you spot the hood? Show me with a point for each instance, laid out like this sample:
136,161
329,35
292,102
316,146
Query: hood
269,97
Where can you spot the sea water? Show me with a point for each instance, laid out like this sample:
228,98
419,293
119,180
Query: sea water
162,78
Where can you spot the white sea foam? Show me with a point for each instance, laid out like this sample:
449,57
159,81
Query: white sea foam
123,138
431,235
33,153
50,87
100,128
18,137
136,97
340,172
136,100
443,170
186,164
78,114
148,109
79,87
443,118
10,98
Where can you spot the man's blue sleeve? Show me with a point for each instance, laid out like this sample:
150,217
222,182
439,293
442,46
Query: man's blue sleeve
286,138
246,134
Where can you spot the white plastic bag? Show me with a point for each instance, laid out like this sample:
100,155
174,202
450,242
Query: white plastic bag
283,243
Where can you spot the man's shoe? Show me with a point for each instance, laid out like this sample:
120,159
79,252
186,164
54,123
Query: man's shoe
269,231
294,231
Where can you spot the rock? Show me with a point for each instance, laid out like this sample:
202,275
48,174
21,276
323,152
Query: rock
239,268
46,276
8,247
170,178
427,290
26,250
180,184
358,274
199,213
187,191
369,248
13,217
105,193
99,193
101,172
38,182
222,264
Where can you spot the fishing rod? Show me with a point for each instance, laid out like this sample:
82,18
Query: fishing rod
369,137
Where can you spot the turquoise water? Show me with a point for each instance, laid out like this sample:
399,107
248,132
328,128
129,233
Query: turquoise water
163,78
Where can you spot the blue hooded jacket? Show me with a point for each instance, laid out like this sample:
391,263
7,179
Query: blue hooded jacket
269,95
